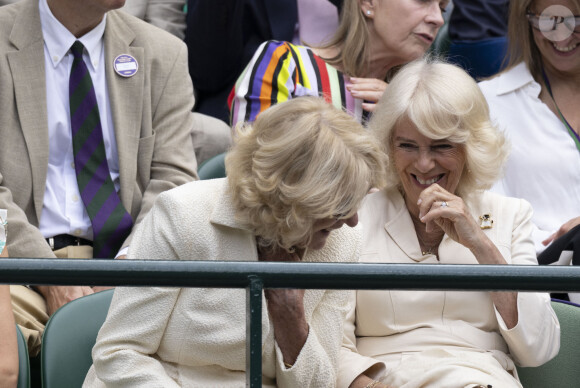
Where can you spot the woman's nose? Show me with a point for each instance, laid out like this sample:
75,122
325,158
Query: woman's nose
435,15
425,161
352,221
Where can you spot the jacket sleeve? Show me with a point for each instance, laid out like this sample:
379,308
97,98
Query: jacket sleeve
318,361
23,238
536,337
123,352
266,81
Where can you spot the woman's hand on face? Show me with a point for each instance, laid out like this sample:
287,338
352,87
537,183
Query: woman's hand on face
277,254
286,308
281,301
565,228
367,89
438,207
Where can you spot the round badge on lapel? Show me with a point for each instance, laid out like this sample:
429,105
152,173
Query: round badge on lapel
125,65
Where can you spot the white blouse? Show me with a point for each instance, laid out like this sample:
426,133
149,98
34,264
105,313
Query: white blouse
544,164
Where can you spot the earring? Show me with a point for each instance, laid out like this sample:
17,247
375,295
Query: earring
369,12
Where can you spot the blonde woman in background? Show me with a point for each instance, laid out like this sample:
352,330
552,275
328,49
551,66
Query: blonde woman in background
351,71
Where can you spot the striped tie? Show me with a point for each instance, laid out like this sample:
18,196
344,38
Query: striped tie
111,222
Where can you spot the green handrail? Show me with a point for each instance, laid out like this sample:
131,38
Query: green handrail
254,276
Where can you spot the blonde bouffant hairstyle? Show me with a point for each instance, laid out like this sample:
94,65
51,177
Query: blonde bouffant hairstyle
443,102
302,160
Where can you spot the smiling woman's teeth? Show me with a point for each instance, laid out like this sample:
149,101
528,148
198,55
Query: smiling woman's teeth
565,49
428,182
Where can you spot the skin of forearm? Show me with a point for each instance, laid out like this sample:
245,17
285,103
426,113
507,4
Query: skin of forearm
505,302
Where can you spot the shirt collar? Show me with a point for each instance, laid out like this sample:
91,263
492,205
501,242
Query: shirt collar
516,78
58,39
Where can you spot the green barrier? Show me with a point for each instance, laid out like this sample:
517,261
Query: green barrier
254,276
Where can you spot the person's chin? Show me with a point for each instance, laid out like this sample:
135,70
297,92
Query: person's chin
319,240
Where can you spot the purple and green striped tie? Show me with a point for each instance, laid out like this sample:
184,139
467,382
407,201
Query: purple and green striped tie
111,222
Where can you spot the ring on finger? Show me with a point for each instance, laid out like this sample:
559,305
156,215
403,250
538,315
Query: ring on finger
443,204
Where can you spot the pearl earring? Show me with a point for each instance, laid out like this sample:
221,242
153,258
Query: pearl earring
369,12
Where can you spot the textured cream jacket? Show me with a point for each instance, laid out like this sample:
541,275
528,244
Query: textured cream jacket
389,326
163,337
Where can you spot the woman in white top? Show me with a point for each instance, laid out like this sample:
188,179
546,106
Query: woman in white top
535,101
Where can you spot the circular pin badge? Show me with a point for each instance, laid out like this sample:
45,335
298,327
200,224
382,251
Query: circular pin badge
125,65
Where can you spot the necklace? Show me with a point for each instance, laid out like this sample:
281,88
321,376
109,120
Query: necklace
428,250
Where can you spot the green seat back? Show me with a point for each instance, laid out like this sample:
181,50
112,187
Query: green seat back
23,361
69,338
213,168
562,370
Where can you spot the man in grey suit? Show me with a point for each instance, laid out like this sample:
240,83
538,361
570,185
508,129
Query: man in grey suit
144,98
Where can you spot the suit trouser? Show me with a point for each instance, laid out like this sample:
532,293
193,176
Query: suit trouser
29,306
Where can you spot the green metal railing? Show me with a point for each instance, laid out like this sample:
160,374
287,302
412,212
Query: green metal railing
255,276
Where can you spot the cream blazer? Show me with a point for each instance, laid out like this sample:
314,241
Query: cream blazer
196,337
151,116
384,327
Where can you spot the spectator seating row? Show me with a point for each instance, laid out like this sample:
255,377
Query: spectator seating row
72,331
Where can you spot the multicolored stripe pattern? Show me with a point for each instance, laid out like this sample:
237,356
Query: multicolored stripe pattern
111,222
280,71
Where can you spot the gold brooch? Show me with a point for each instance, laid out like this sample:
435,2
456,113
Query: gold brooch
485,221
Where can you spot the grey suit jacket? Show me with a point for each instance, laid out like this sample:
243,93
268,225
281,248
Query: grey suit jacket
151,116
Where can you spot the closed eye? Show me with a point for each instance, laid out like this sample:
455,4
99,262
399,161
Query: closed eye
407,146
442,147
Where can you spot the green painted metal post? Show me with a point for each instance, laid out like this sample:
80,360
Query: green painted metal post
254,332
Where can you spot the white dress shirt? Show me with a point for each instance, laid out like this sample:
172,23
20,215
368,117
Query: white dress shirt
63,210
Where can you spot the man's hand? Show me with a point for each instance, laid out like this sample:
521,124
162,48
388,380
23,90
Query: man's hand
58,296
101,288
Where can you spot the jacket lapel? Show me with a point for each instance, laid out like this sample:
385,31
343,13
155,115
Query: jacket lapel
224,214
400,226
28,74
126,100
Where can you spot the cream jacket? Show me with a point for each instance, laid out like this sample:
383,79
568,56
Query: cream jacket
194,337
389,326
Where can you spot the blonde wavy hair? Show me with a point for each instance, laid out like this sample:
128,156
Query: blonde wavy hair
521,44
302,160
352,37
444,102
